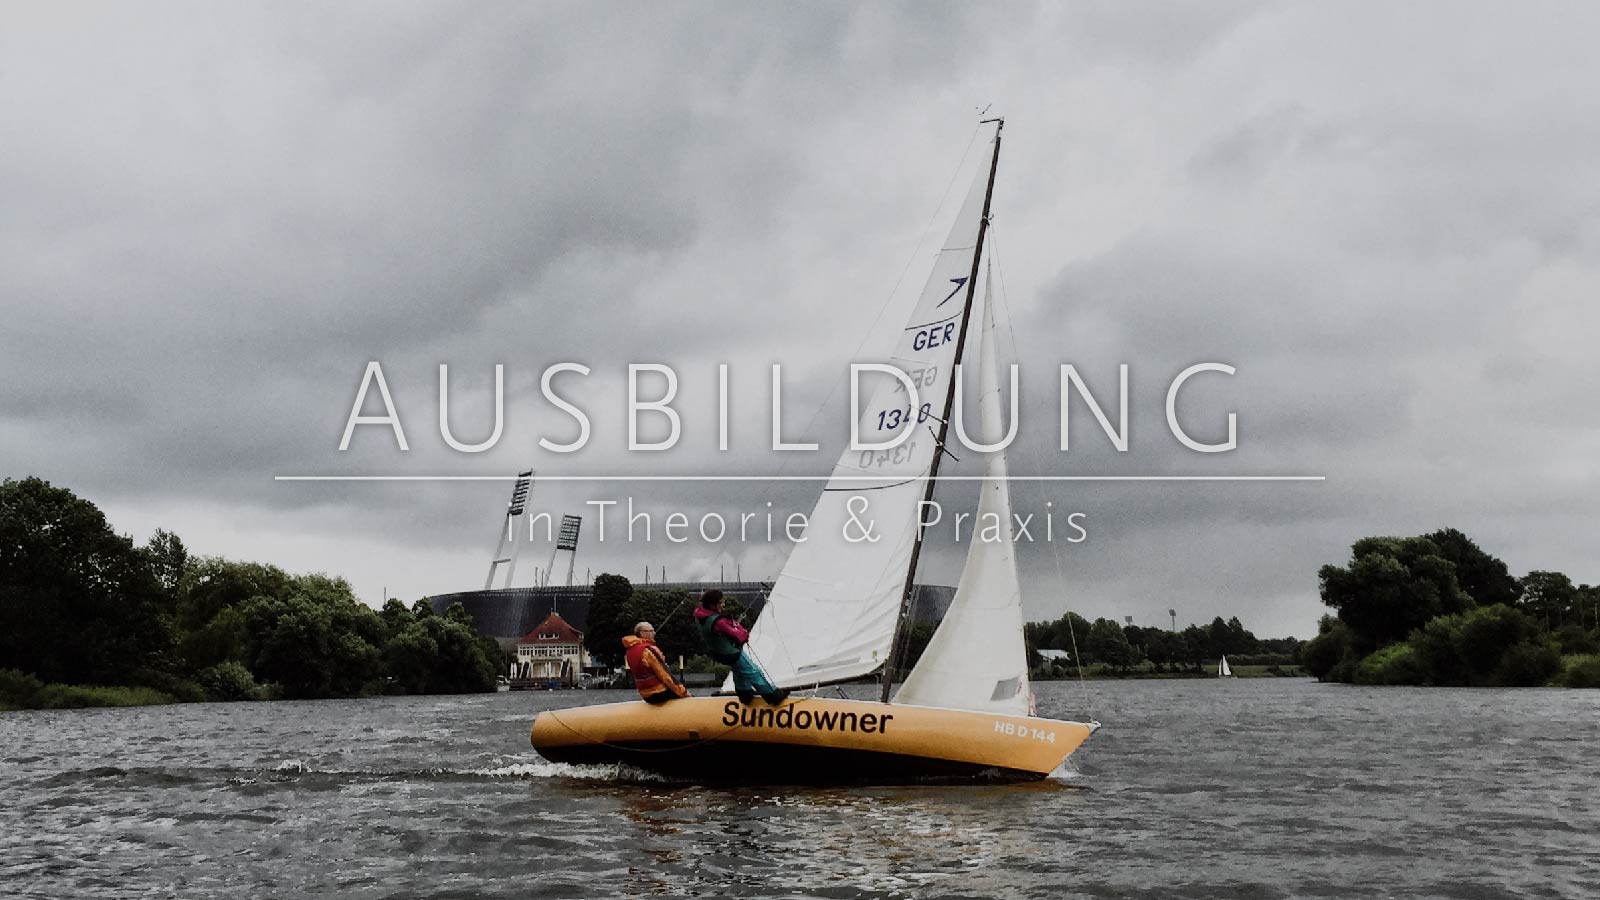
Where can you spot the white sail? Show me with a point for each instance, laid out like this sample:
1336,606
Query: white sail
831,614
1222,669
976,659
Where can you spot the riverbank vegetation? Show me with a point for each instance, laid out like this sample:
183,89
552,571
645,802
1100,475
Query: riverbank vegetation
1435,609
1109,650
89,618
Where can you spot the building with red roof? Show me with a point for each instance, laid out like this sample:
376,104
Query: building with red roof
551,654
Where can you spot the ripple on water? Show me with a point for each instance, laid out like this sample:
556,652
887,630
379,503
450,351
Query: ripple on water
1265,789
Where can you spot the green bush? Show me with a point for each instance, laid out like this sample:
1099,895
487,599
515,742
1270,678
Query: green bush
1394,664
1527,664
1484,642
180,689
1322,654
229,681
1576,641
1345,671
1581,671
702,663
22,691
18,690
72,696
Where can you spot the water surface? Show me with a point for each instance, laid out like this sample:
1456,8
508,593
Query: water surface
1253,788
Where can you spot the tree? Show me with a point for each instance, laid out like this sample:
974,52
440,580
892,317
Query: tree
1527,664
603,634
1239,640
1588,601
410,658
209,597
169,559
310,646
78,602
1109,645
1391,587
1438,651
672,613
1549,597
1322,654
466,663
396,618
1194,646
1485,578
1483,637
1219,639
1063,634
1476,648
1155,644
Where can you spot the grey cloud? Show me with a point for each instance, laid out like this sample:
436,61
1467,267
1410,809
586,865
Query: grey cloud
214,218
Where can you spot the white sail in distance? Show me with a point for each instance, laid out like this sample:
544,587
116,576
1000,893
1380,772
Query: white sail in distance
832,612
976,659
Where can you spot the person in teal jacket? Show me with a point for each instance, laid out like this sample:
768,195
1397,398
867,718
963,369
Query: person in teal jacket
725,639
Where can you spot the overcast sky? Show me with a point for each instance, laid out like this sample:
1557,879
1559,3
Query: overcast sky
1386,218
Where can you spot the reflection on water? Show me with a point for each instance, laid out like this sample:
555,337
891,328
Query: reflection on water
1194,789
870,840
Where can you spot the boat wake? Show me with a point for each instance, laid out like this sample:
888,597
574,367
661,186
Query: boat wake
534,768
545,769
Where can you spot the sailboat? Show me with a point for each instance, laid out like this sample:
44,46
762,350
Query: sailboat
840,607
1222,669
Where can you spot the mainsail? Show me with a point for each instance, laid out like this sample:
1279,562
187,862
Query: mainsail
976,659
832,612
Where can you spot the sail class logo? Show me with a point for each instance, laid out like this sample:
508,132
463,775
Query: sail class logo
959,284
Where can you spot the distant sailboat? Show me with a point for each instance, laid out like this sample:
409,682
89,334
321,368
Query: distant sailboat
1222,669
838,609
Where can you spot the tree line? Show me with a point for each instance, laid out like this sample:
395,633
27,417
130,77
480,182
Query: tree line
83,605
1121,648
1435,609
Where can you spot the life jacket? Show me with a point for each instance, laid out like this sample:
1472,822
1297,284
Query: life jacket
644,678
722,648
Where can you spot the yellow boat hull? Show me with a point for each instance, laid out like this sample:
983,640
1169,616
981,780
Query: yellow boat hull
807,739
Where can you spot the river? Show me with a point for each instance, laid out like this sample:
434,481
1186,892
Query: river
1251,788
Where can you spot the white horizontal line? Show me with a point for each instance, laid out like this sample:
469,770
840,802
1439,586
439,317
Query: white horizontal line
868,478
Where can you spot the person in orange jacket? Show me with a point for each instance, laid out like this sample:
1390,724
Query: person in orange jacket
649,666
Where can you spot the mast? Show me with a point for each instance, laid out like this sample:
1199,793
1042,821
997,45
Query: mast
895,645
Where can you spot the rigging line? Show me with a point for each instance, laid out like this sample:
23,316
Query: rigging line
948,318
1055,551
876,487
778,639
884,306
